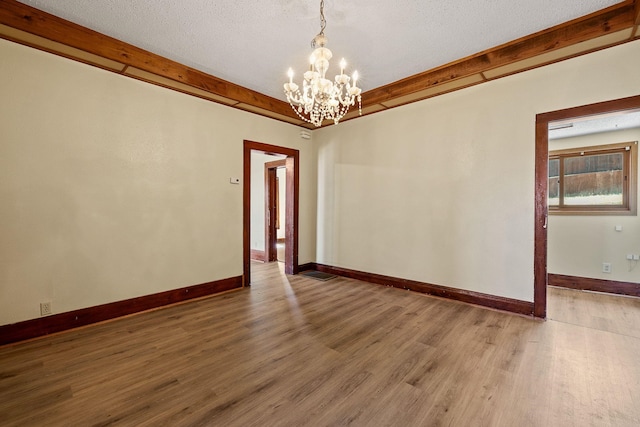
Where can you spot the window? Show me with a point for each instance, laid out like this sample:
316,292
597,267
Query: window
594,180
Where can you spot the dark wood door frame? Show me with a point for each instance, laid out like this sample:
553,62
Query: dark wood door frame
270,199
292,164
541,180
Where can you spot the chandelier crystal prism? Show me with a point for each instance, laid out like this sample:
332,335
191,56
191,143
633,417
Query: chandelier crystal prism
321,99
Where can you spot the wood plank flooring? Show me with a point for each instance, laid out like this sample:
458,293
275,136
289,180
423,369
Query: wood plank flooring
293,351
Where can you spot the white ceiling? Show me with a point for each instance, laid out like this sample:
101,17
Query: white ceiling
253,42
608,122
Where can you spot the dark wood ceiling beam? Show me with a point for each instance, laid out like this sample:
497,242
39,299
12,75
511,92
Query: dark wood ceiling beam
604,22
34,21
567,34
434,77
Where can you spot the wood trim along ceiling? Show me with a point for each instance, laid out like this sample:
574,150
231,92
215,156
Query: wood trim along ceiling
608,27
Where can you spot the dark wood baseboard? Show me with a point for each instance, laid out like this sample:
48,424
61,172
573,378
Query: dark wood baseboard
597,285
470,297
85,316
257,255
308,266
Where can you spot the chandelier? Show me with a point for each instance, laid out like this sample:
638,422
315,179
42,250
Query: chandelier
320,98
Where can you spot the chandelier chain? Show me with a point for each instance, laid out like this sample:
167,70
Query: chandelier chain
323,25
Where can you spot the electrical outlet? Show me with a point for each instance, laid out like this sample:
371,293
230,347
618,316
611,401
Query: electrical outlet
606,267
45,308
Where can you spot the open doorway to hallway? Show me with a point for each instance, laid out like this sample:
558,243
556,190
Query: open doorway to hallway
260,207
268,208
275,197
602,238
281,200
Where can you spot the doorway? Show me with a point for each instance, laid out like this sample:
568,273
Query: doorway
542,182
275,179
292,168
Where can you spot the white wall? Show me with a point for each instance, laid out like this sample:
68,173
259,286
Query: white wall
281,173
442,190
112,188
258,198
578,245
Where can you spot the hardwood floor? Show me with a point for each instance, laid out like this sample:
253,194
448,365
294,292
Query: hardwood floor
295,351
606,312
280,251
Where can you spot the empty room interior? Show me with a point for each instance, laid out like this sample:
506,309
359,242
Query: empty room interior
440,230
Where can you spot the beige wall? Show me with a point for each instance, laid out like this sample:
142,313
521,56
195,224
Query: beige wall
442,190
112,188
578,245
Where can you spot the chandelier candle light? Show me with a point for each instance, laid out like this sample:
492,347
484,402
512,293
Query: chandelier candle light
320,98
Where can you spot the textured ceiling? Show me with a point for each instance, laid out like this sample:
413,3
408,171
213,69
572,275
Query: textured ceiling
253,42
594,124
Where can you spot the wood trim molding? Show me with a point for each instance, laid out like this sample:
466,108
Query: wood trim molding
292,213
41,326
257,255
616,105
620,20
308,266
597,285
34,21
276,164
540,218
470,297
541,184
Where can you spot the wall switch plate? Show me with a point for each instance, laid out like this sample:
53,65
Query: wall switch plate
606,267
618,228
629,256
636,257
234,180
45,308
